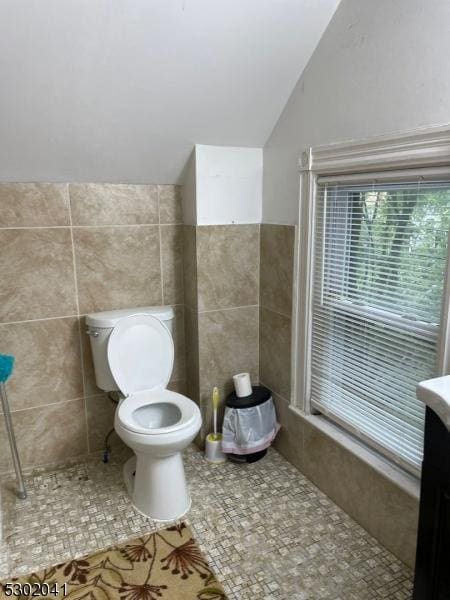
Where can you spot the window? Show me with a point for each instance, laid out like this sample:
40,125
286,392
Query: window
380,252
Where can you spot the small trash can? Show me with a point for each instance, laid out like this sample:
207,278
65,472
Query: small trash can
249,425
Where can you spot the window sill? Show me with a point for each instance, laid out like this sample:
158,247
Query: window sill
405,481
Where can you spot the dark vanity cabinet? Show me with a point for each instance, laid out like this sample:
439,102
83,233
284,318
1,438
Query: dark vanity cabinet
432,577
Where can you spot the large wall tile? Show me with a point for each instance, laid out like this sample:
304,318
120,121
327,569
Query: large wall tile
228,344
393,517
100,420
36,274
172,263
48,434
113,204
48,367
117,267
170,209
381,507
190,266
228,266
275,352
34,205
277,264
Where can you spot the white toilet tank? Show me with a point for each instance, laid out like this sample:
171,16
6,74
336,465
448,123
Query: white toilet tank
98,328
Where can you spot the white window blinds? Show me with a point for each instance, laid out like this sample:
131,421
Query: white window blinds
380,255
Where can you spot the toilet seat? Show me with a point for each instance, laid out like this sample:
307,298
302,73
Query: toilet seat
128,410
140,356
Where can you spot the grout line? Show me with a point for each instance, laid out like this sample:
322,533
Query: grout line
180,235
214,310
258,335
274,392
160,248
197,360
74,316
83,379
20,410
111,226
80,341
118,226
259,299
277,312
74,262
280,224
36,227
38,320
247,223
99,393
106,310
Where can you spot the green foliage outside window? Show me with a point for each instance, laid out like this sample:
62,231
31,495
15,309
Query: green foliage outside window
397,250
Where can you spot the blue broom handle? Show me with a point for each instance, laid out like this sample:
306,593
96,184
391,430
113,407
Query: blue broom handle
22,493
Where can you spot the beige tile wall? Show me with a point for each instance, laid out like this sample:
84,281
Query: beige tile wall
191,311
383,508
277,267
70,249
221,269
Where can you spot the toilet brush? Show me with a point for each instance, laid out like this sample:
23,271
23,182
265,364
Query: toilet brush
213,443
6,368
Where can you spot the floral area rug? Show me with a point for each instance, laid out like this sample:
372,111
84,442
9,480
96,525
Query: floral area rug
165,565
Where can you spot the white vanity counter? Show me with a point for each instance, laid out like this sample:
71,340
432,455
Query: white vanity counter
435,393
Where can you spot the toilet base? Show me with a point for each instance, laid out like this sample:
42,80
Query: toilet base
157,486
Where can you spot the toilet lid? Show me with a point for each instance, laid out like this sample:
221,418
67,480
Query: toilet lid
140,353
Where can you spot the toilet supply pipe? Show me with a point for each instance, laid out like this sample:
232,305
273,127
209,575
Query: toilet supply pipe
6,368
107,446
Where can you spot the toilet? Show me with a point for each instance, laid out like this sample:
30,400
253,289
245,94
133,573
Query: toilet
133,353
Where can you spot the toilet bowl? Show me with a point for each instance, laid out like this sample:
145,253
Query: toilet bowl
156,423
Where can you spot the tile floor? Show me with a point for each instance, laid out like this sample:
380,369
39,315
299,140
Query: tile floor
267,531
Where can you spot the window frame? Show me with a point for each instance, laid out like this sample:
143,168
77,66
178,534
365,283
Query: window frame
423,152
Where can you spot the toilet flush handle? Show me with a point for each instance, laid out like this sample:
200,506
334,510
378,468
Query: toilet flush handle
92,332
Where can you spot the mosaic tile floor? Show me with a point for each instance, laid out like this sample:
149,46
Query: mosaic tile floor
268,533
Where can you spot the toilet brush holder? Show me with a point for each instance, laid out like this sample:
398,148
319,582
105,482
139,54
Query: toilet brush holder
213,448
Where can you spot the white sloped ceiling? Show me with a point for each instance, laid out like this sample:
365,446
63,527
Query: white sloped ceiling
120,90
